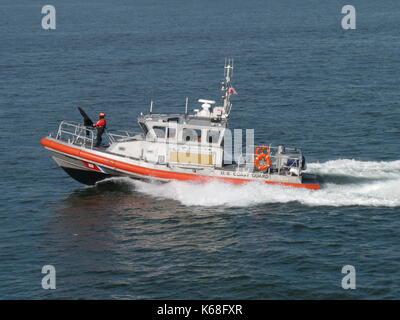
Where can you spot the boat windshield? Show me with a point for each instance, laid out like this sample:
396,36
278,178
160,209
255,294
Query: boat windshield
144,128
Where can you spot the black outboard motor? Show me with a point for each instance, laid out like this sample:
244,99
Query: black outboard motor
303,163
295,163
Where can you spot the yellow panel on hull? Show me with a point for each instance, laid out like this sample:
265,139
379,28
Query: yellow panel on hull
192,158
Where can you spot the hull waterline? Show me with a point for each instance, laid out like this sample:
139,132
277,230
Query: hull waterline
89,167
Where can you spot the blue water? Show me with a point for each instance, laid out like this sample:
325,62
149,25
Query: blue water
302,80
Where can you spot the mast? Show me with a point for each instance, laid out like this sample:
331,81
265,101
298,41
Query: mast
227,87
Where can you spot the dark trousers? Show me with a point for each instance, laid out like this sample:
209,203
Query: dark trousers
100,132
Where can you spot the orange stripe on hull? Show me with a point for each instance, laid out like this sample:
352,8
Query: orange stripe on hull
155,172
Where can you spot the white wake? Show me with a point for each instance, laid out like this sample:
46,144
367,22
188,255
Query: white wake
346,183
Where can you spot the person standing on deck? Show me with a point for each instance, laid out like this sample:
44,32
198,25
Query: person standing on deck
100,125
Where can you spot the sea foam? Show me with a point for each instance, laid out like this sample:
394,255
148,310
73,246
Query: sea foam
344,183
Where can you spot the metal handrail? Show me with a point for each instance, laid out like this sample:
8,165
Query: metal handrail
246,160
75,133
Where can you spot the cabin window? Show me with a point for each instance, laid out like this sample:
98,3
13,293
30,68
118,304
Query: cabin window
159,131
144,128
171,133
192,135
213,136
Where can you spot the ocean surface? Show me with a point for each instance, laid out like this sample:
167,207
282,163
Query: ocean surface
301,81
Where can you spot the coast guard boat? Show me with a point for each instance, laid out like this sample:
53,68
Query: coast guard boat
188,147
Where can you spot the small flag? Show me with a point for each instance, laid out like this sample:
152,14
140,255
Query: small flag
232,91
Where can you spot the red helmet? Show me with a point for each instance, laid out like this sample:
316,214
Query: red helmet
101,114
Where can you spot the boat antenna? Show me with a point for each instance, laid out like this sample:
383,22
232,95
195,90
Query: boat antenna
227,87
151,106
186,105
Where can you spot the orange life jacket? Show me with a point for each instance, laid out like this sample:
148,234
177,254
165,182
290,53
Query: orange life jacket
101,123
